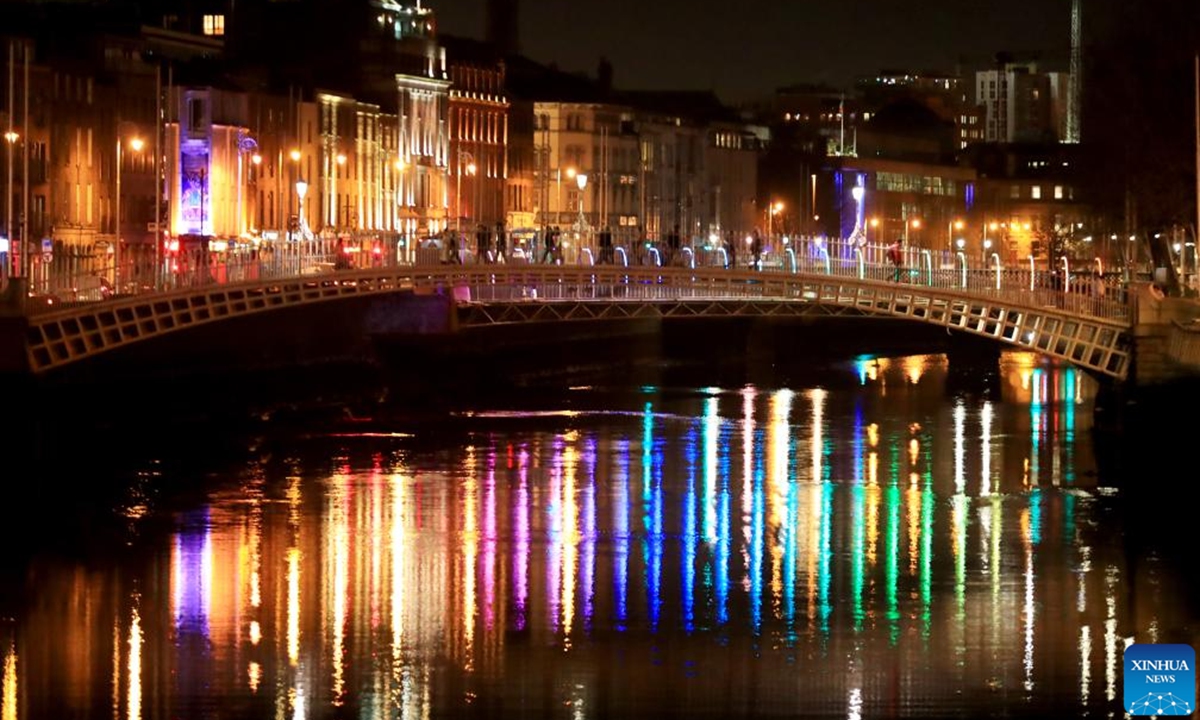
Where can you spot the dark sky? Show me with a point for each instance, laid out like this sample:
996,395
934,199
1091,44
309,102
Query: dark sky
745,48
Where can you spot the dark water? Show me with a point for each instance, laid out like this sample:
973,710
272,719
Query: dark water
883,544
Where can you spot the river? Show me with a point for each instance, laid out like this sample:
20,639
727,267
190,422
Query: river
877,540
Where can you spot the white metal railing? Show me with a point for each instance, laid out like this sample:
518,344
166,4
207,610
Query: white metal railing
1085,291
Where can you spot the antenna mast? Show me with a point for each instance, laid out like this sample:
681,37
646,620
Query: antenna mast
1076,79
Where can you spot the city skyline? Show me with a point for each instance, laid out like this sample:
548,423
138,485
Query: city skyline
945,34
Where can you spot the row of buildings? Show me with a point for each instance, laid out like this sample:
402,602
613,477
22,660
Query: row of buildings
427,134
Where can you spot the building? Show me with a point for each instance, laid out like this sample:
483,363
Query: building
926,204
1030,200
590,173
478,113
1022,104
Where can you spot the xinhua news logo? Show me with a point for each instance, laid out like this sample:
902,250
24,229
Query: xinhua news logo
1160,679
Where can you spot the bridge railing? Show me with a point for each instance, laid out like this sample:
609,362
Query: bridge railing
1082,291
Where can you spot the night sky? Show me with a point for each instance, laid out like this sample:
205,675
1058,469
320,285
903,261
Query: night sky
746,48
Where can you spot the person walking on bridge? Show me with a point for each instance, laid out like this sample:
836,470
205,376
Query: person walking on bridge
895,255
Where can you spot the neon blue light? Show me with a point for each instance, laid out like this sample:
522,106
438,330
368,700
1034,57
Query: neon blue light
789,558
857,554
723,532
892,569
712,444
756,550
1035,516
690,538
823,569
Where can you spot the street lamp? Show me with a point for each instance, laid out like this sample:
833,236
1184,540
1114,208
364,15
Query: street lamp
581,180
336,201
11,138
874,226
954,225
915,224
775,209
136,144
301,191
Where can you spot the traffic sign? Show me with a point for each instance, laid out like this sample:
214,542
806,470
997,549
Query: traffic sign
47,245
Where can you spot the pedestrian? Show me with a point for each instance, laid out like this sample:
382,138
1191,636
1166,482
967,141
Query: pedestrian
895,256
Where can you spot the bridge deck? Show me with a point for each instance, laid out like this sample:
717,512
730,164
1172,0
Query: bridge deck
1089,331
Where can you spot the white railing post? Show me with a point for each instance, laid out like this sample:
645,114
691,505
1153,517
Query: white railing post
1032,274
862,265
691,257
927,261
999,268
962,258
1066,275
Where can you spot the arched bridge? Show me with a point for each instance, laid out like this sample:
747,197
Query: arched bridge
1019,309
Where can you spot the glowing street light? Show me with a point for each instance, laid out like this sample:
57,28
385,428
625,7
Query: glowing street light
135,144
301,191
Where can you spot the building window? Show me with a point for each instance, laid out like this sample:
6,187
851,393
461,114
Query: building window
214,24
1036,192
1058,192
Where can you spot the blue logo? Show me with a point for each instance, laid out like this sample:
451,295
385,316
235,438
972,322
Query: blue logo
1160,679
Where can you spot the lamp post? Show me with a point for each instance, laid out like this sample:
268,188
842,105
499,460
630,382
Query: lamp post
462,154
581,180
301,191
915,224
571,173
775,208
10,138
874,224
256,160
858,192
950,228
136,144
336,201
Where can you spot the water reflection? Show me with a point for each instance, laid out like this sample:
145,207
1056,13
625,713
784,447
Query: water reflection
871,554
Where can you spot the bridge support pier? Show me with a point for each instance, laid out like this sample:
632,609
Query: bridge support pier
1159,357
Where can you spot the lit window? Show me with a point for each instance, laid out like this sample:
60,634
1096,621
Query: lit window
214,24
1058,192
1037,192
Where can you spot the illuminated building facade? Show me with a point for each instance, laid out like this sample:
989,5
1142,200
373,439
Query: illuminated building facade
478,142
588,166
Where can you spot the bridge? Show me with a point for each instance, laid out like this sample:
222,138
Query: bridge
1084,319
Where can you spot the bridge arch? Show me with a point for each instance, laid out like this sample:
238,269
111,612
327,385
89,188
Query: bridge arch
1054,324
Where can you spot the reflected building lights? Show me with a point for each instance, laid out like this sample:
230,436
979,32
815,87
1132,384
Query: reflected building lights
489,544
521,542
1027,612
339,537
8,696
293,605
960,450
712,430
620,536
1110,633
469,547
985,473
588,546
687,570
569,538
134,691
780,522
1085,664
